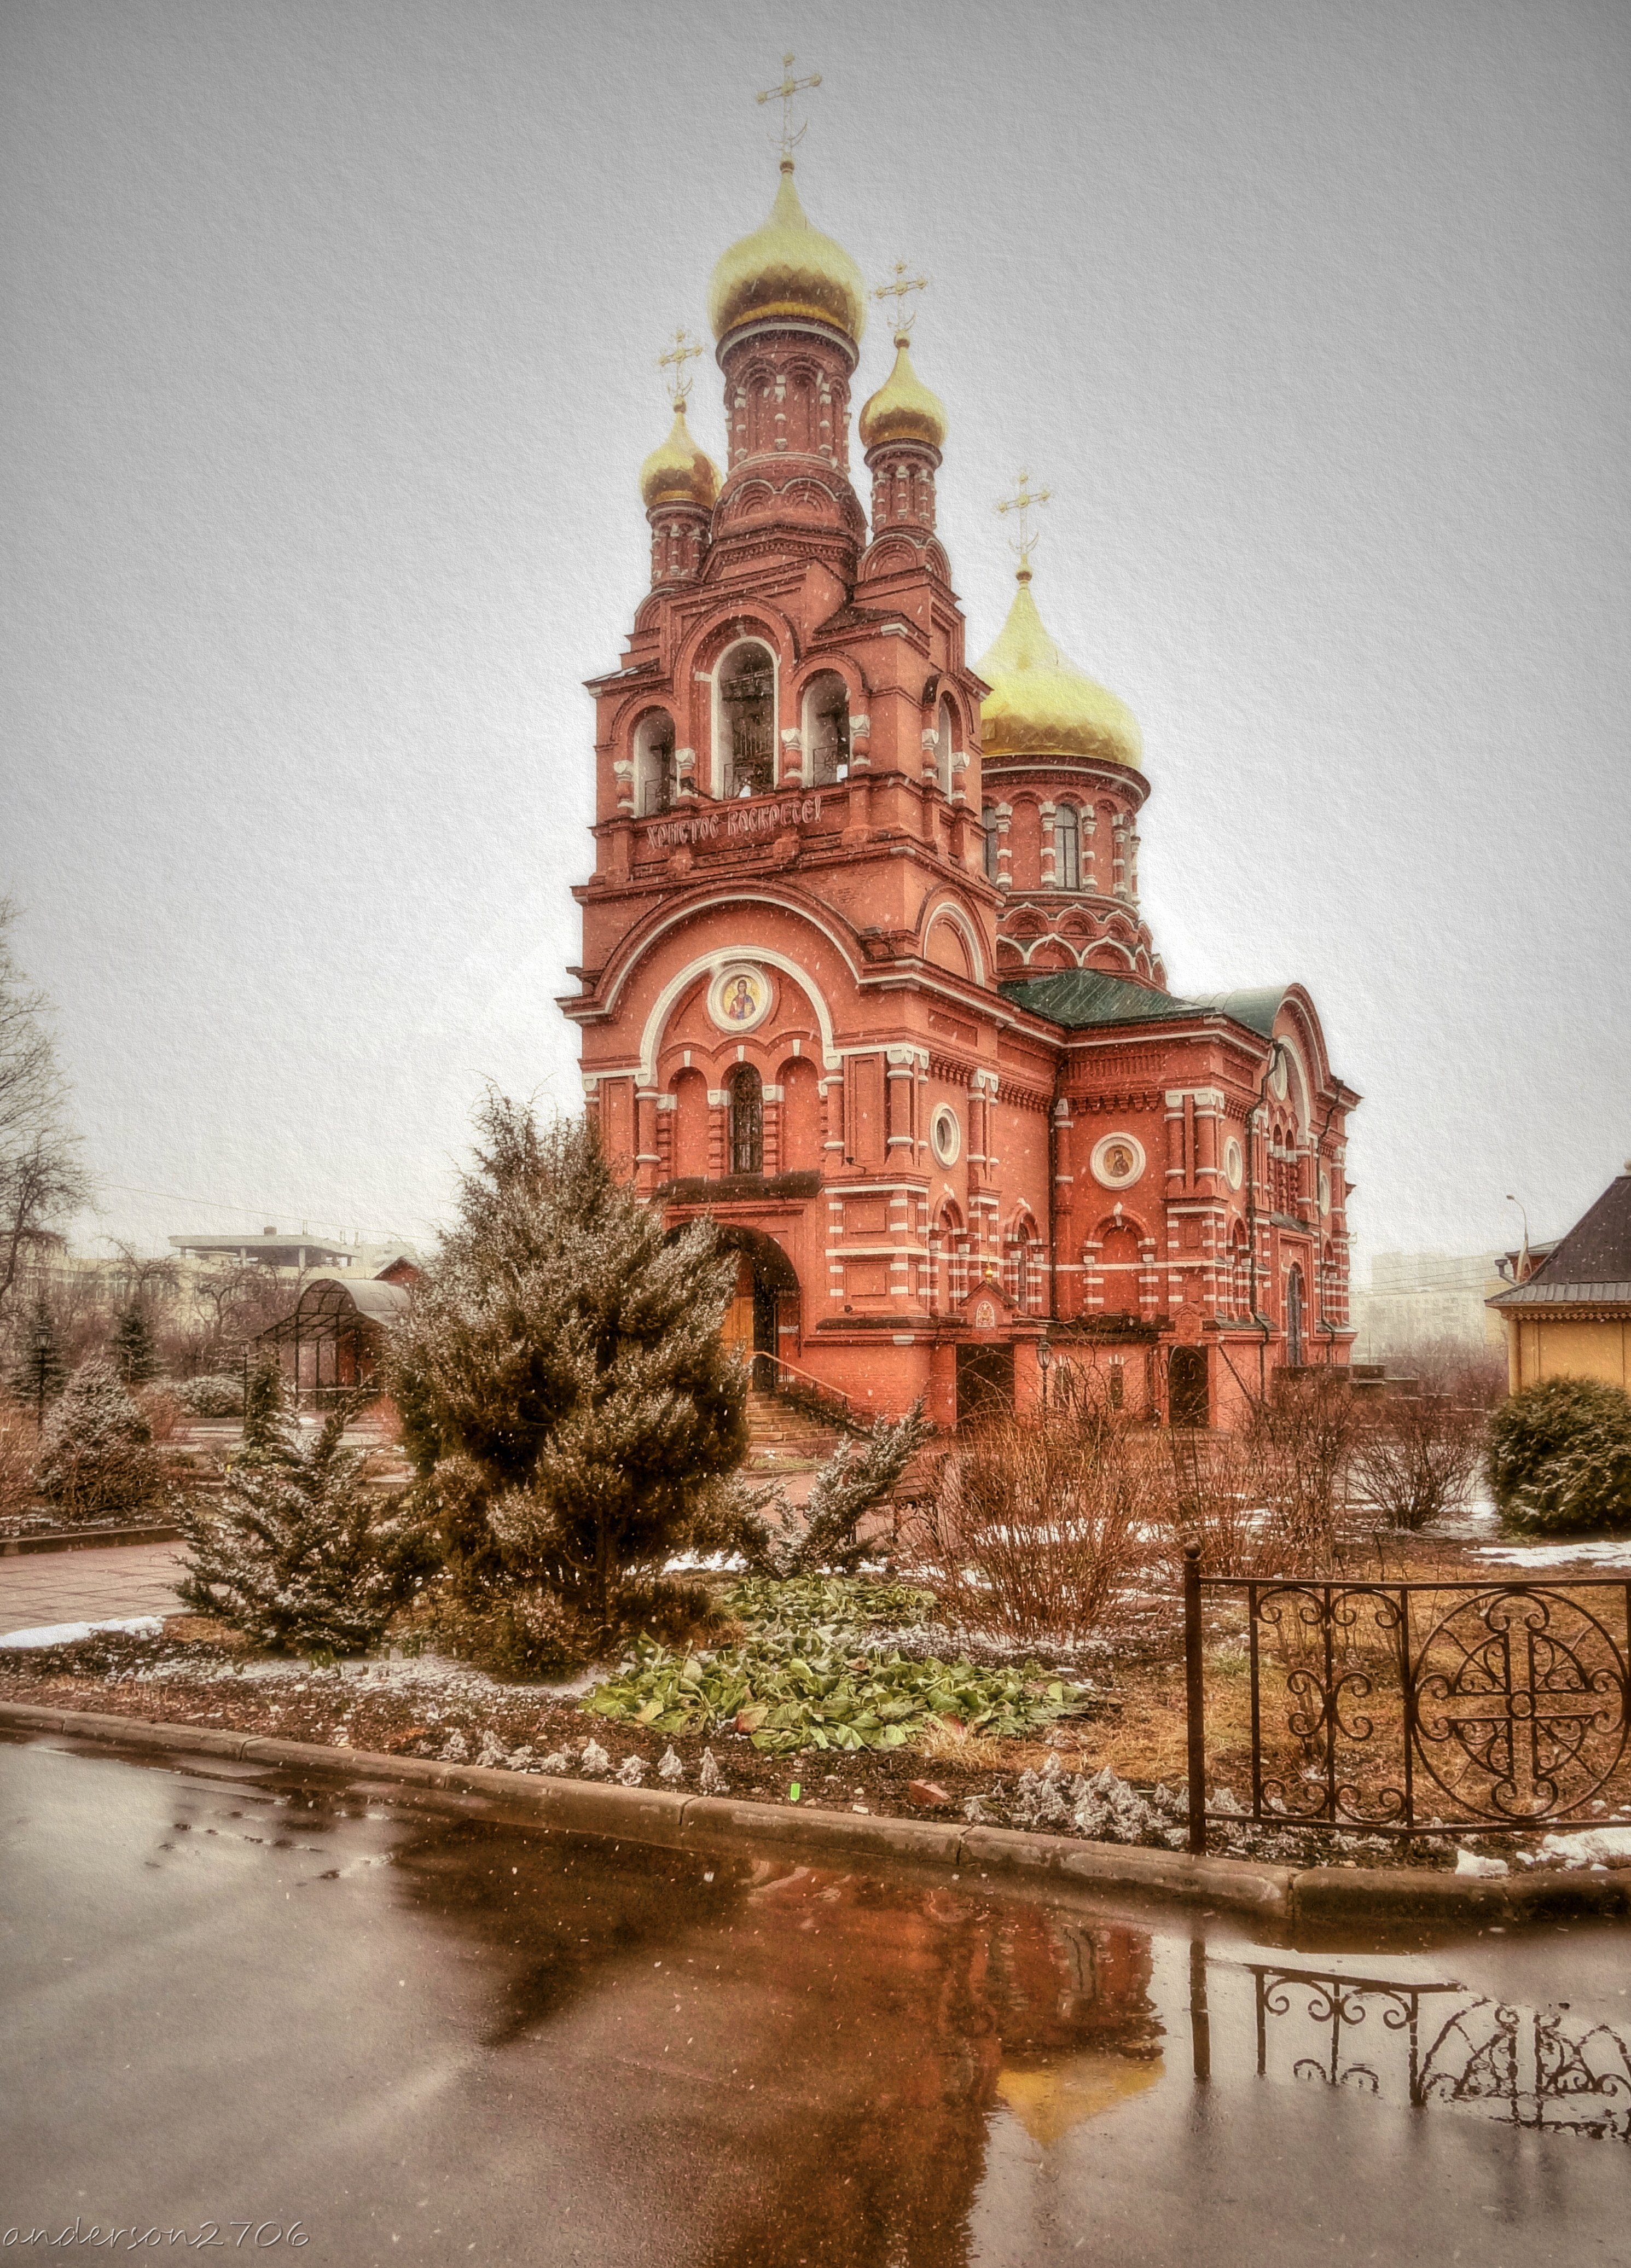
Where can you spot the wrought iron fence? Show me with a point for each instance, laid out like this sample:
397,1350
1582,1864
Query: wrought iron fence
1419,1708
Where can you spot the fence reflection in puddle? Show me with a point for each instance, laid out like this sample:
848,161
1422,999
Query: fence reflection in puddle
1417,2045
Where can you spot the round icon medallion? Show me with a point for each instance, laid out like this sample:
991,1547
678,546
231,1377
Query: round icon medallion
1118,1161
739,998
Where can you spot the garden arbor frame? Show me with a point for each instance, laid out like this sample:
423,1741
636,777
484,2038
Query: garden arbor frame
333,1338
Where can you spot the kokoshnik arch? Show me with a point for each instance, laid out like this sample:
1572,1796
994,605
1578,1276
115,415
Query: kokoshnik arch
864,972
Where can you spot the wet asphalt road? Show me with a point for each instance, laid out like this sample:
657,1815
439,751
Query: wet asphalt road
231,2003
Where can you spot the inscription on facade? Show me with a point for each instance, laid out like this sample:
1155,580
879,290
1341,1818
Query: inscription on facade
735,822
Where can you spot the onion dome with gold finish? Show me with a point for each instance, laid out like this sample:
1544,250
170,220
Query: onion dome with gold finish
789,269
678,471
902,409
1039,705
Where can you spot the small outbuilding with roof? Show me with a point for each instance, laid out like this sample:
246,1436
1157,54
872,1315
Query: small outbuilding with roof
1570,1317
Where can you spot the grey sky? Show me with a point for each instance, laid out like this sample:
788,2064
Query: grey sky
328,368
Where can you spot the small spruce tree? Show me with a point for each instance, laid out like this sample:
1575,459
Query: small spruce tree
40,1373
96,1453
133,1355
265,1435
299,1552
565,1392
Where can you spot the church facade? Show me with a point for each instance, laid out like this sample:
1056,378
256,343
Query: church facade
864,976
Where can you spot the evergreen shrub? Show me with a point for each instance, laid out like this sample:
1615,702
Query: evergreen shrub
300,1552
1560,1457
565,1396
96,1453
216,1395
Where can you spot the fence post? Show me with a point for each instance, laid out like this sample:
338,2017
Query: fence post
1194,1700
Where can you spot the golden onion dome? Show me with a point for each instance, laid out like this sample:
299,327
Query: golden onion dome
902,409
678,472
787,267
1039,705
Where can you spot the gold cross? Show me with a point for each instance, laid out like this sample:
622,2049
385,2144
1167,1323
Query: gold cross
685,349
784,94
900,290
1021,502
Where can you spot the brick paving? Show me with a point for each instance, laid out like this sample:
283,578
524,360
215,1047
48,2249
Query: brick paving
38,1588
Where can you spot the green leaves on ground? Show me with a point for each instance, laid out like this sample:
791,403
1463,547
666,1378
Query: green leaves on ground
812,1674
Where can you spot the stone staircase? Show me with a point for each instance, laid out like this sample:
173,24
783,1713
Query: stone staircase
783,1439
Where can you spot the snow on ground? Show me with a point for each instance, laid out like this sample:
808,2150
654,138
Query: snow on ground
71,1634
1615,1555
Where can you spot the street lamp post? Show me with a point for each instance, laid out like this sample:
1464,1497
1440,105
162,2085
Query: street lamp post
1044,1359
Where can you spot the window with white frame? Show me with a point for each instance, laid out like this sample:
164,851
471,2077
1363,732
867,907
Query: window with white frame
1067,848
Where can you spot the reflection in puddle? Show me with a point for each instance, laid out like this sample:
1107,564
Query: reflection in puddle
1431,2044
844,2043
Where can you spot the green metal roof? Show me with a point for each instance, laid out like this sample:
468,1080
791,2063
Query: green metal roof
1083,999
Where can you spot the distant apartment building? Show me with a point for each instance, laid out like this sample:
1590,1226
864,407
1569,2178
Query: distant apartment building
1418,1300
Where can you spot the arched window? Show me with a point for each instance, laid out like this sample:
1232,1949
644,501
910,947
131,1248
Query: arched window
654,779
1022,1269
993,841
1295,1318
945,745
746,1106
1067,848
827,729
746,760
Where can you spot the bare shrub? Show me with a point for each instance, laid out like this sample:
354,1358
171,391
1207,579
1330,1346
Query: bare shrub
17,1460
164,1411
1036,1527
1271,1497
1417,1455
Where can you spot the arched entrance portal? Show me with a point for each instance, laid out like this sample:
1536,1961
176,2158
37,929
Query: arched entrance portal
1188,1400
767,1298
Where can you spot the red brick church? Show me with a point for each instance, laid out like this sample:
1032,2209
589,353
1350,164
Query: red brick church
865,976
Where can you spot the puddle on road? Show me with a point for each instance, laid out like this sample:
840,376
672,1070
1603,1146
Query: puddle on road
604,2053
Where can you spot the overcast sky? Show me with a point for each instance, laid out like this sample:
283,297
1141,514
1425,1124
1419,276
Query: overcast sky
327,366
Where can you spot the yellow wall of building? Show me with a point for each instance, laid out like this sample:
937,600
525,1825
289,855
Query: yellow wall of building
1559,1348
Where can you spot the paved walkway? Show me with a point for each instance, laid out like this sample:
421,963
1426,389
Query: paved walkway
38,1588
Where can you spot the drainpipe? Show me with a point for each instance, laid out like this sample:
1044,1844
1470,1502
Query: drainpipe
1260,1320
1325,1323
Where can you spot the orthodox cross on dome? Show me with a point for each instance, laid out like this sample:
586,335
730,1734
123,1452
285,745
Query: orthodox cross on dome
900,290
788,138
1021,501
685,349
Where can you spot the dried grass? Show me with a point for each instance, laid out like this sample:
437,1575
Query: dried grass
945,1742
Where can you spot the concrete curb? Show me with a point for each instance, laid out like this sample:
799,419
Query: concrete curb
652,1816
12,1547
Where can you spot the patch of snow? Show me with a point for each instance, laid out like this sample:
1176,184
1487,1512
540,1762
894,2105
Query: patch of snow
71,1634
1592,1846
1617,1554
1474,1863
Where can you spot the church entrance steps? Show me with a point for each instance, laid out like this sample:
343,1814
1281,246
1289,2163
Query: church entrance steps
783,1439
